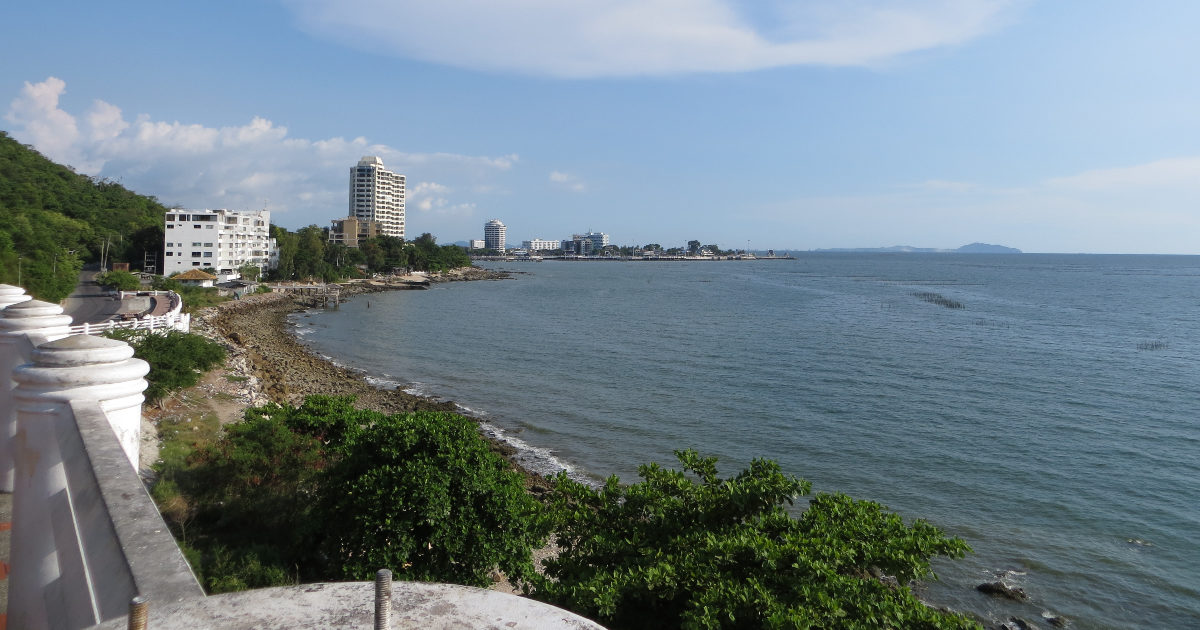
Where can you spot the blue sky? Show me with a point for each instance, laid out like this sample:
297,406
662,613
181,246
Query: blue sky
1068,126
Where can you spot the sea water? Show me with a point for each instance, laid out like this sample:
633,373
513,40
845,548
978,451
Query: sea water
1042,407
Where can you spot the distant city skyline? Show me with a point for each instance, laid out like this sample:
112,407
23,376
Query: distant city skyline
1045,126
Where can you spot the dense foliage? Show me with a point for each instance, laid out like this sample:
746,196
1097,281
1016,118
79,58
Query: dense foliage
177,359
306,254
327,491
724,553
52,220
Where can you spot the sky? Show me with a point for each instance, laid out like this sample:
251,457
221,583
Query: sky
1049,126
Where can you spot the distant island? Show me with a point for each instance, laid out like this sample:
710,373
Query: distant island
973,248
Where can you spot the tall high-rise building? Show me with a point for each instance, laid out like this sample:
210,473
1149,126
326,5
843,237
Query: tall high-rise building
377,194
493,235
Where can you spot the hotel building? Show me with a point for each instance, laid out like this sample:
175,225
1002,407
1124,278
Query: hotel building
377,194
493,235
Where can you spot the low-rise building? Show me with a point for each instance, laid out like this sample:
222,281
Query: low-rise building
541,245
196,278
218,242
353,231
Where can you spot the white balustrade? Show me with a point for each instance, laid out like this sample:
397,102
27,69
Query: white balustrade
18,322
58,577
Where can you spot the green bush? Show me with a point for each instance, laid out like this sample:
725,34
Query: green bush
195,298
177,359
671,552
119,281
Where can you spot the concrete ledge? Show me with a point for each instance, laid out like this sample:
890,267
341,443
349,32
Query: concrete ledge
352,605
159,572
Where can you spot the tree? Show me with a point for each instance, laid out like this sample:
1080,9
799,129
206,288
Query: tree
249,272
724,553
423,494
119,281
693,248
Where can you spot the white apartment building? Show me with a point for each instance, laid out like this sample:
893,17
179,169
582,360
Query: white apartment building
217,241
493,235
476,243
541,244
377,194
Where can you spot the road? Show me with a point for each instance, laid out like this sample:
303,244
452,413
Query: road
89,303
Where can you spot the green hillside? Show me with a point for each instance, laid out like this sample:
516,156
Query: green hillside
53,220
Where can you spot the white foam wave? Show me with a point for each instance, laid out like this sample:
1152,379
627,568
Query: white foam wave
383,383
536,459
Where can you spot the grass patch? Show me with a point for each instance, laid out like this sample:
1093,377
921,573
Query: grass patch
236,378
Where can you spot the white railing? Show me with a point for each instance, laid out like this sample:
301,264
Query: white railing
180,321
174,318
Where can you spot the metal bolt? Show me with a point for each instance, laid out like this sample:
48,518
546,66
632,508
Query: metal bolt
139,613
383,600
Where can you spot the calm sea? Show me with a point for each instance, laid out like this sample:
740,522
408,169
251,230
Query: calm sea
1051,421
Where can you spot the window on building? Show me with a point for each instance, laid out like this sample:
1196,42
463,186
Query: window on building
170,226
195,254
208,254
208,244
195,243
170,253
207,226
197,226
195,263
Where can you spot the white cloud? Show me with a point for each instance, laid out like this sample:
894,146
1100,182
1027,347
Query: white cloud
589,38
46,126
432,197
248,166
568,181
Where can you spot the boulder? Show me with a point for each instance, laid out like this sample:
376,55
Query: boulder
1000,589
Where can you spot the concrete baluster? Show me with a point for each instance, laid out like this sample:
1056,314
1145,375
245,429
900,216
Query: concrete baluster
48,568
86,367
18,321
12,295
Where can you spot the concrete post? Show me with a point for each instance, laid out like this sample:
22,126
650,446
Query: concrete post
12,295
47,561
86,367
18,320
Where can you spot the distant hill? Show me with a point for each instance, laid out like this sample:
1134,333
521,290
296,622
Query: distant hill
973,248
984,248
